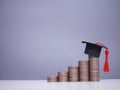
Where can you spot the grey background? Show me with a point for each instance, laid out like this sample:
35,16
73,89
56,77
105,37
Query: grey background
41,37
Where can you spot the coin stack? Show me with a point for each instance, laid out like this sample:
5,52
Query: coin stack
83,71
62,76
94,68
73,74
52,78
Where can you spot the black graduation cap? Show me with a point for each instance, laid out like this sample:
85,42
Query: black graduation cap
93,49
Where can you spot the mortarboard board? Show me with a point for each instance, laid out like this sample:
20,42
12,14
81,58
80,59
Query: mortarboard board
94,49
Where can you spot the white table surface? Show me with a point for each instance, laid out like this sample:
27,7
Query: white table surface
106,84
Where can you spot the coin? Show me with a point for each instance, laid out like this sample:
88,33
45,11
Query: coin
94,78
73,70
52,78
62,79
83,64
73,78
83,69
63,74
84,76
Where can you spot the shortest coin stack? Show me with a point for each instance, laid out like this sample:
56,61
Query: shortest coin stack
73,74
62,76
83,71
52,78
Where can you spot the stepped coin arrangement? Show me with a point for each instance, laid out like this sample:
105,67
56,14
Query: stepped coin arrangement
85,71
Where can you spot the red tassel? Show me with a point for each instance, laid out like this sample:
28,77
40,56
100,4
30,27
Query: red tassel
106,65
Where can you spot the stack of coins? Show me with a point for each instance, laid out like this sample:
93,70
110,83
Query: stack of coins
83,71
52,78
94,68
62,76
73,74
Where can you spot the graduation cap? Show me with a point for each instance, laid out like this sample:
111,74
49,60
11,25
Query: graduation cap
94,49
